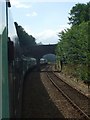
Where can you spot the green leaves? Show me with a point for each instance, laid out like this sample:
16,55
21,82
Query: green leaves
74,43
73,48
79,13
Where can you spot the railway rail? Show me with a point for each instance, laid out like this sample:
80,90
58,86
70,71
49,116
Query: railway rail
79,101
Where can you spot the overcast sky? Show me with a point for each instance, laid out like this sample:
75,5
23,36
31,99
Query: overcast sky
43,18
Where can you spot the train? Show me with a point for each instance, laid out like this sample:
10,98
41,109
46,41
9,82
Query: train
14,66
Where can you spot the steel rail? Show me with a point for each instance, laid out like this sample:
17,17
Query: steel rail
70,85
69,99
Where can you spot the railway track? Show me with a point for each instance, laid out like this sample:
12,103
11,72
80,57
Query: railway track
79,101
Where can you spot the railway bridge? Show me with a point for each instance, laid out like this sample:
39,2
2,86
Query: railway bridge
38,51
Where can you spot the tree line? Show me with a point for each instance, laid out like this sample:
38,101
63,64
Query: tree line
73,46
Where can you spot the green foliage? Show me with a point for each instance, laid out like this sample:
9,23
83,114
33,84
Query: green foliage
79,13
73,48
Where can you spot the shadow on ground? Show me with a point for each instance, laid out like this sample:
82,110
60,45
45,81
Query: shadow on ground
36,101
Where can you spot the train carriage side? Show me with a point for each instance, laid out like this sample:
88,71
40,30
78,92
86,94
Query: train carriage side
10,74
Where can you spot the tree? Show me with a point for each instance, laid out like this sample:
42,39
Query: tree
73,48
79,13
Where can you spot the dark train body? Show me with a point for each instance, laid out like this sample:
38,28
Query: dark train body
19,68
14,67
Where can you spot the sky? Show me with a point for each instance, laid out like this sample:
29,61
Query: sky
43,19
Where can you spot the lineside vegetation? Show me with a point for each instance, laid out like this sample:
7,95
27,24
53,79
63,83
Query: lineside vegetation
73,46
